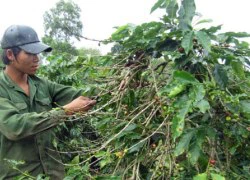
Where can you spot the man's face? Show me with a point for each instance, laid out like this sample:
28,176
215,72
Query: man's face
26,63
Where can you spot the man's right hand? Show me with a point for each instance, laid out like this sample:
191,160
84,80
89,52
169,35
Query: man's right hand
80,104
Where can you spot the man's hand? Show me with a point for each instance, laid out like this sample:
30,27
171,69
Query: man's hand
80,104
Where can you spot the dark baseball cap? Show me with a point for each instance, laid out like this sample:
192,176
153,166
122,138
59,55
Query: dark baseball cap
25,38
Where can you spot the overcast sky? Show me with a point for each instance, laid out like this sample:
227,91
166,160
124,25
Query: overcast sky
100,16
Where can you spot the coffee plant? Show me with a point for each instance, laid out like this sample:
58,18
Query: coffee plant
173,102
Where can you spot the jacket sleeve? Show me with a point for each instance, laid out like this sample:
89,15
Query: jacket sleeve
62,94
15,125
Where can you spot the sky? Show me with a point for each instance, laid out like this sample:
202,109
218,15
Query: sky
99,17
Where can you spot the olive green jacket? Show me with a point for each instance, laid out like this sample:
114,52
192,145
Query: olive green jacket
26,123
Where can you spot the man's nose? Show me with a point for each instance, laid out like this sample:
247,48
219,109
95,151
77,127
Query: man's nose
36,58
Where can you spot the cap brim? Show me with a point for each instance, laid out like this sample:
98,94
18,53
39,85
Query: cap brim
36,48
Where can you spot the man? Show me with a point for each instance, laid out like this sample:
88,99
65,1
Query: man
28,107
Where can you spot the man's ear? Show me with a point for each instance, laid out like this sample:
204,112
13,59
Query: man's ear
10,55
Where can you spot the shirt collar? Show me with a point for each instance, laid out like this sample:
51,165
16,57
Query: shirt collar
12,84
7,79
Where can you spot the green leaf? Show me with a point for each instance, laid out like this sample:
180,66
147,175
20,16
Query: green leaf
137,147
195,150
122,32
172,8
194,153
203,105
184,76
202,176
105,161
211,132
233,149
245,107
183,143
176,90
221,38
100,154
220,76
238,68
130,127
238,34
133,136
187,41
243,45
197,93
76,160
204,40
54,142
212,29
178,85
178,120
204,21
217,177
170,5
186,14
157,5
149,31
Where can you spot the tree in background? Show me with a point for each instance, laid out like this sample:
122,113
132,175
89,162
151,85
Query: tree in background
62,25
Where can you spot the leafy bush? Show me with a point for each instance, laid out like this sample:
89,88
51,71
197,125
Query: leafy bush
173,103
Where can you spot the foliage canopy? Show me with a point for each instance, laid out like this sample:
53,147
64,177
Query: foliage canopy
62,25
63,22
174,102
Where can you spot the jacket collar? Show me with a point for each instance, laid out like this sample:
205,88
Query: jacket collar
6,79
32,84
12,84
